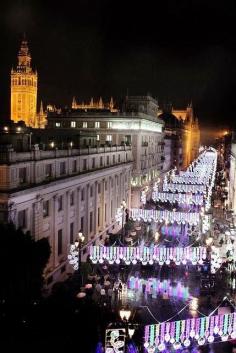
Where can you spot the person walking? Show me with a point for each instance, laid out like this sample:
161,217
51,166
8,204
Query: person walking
110,294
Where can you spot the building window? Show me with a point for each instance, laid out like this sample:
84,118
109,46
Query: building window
98,216
97,124
109,124
111,208
84,164
72,199
62,168
82,224
85,124
99,188
22,219
82,195
22,175
74,166
101,162
58,124
91,222
114,159
112,182
73,124
48,171
106,185
107,160
91,191
98,137
93,162
105,212
71,233
118,158
46,208
109,138
59,242
60,203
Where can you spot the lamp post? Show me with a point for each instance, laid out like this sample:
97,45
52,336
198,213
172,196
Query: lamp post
123,208
129,328
79,244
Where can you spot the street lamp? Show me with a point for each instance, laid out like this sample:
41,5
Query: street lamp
79,244
123,206
125,314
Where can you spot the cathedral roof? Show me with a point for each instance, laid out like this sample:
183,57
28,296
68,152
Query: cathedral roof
170,120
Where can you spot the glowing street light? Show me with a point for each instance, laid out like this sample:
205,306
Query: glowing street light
125,314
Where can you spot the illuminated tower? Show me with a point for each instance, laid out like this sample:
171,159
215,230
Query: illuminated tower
24,83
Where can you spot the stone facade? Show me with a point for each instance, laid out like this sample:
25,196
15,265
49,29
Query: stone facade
232,178
56,193
136,125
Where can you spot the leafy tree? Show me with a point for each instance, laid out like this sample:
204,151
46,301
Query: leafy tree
22,261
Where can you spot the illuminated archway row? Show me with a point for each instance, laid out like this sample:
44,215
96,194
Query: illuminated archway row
180,198
183,332
167,216
147,255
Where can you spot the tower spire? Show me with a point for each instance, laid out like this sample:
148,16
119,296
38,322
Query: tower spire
24,57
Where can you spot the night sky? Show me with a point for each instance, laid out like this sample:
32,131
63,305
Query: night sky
176,50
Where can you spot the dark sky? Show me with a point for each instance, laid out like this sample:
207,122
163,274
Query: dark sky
178,50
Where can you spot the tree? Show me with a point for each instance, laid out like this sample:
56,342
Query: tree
22,262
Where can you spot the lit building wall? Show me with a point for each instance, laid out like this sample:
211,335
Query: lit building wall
143,132
232,179
56,193
24,82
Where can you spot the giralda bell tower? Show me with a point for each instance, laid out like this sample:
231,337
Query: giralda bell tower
24,82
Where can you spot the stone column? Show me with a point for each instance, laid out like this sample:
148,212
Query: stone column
36,218
77,210
53,235
87,212
95,218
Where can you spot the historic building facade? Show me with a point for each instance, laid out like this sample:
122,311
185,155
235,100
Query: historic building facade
24,86
136,124
56,193
232,177
182,134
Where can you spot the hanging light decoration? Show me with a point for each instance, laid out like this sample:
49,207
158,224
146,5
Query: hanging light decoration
147,255
167,216
184,332
180,198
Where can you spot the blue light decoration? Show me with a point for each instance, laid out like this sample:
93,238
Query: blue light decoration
99,348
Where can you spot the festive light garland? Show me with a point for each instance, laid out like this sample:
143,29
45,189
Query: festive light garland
180,198
167,216
201,189
147,255
183,332
190,180
73,256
